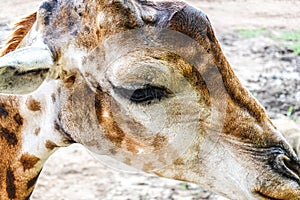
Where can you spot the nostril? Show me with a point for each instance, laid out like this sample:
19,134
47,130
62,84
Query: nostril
289,167
292,165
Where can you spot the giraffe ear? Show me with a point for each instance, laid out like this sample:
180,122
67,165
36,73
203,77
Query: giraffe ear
24,70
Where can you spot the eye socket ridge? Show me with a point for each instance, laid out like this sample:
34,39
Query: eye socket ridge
146,94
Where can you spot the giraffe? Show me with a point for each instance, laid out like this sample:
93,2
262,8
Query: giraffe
145,83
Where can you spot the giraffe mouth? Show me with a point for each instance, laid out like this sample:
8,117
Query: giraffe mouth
264,196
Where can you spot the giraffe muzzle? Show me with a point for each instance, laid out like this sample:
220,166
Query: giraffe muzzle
288,167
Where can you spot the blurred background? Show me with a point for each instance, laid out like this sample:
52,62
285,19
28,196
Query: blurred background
262,43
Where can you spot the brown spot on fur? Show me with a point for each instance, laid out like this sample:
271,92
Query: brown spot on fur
32,181
111,129
179,177
10,140
131,147
37,131
21,30
57,126
28,161
33,105
28,197
159,142
10,137
148,167
127,161
116,135
113,151
69,82
10,184
50,145
3,111
53,98
179,161
18,119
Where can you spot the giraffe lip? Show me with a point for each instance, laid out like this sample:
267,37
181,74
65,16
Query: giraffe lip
265,196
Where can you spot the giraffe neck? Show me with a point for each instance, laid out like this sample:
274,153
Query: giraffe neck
19,170
28,136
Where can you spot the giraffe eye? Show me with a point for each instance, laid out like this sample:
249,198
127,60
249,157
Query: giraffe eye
146,94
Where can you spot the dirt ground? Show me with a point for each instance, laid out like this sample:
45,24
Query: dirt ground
267,66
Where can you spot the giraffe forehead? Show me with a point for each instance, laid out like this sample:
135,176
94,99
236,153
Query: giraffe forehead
87,23
61,22
83,22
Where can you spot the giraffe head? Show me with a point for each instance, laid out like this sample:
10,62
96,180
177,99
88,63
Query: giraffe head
146,84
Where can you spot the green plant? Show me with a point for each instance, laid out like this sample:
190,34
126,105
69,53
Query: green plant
296,48
290,112
293,35
285,36
251,33
184,186
288,37
254,93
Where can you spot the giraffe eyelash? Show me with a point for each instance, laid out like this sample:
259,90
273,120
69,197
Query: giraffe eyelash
146,94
